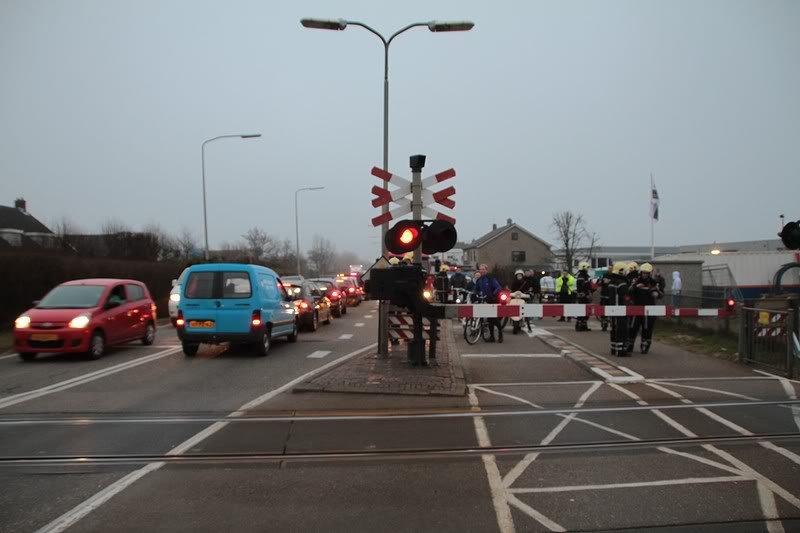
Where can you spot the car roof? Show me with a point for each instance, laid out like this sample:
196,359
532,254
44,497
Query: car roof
100,281
216,267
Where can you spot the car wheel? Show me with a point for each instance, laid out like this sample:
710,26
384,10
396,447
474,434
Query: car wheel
263,346
292,337
190,349
149,334
97,345
27,356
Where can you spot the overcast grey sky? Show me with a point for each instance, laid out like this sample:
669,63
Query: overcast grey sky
543,106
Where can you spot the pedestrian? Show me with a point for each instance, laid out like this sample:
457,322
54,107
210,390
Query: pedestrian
548,288
617,295
645,291
583,291
677,287
565,289
458,283
441,284
488,287
604,297
522,284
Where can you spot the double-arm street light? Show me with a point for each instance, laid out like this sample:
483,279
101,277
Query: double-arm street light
203,158
341,24
297,222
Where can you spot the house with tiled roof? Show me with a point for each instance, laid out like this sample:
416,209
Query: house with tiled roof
508,246
20,229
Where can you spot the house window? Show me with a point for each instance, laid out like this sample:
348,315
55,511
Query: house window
514,236
518,257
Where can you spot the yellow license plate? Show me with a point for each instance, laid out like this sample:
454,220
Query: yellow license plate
201,323
44,337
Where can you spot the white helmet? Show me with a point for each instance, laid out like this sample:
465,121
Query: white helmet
519,272
583,265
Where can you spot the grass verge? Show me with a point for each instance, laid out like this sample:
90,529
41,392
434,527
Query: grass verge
694,339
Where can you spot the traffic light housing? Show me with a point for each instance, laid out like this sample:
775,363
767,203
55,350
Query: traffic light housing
790,235
401,284
434,237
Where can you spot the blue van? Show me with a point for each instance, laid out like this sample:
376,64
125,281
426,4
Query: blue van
228,302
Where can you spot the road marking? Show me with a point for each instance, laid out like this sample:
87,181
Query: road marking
533,513
706,389
8,356
536,383
346,336
319,354
367,316
505,522
768,506
660,483
523,355
359,324
71,517
80,380
792,394
775,376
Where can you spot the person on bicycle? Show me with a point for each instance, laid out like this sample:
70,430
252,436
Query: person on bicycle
523,284
488,288
442,284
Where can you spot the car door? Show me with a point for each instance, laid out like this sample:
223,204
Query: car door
236,306
116,315
139,310
320,301
198,303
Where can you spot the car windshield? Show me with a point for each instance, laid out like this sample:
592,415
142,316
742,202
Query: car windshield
72,297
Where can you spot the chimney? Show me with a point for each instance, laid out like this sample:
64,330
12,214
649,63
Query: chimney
494,227
20,204
508,222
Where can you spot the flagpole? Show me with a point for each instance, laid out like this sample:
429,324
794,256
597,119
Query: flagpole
652,224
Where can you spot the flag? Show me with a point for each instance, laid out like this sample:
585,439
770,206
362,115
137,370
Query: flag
653,200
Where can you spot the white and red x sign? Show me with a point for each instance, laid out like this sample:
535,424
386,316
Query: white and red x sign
399,196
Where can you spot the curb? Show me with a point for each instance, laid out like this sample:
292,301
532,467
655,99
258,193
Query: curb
594,363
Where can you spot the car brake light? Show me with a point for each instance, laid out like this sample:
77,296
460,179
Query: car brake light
335,294
255,321
304,305
180,322
351,289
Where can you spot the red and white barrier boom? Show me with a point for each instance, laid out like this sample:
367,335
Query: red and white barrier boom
574,310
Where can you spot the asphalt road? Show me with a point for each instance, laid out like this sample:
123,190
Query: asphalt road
152,401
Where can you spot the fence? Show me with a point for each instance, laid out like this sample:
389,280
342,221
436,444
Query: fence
766,338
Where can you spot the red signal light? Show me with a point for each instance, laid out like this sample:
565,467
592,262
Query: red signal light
731,303
503,297
408,235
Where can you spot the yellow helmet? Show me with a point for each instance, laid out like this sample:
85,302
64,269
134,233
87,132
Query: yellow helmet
444,268
633,265
647,267
408,256
394,261
583,265
619,267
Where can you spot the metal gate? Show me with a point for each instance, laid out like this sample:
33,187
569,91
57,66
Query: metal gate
766,338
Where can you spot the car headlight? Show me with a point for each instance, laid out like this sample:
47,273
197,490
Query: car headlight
22,322
175,297
80,321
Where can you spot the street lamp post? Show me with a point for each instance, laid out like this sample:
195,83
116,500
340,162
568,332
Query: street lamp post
203,162
341,24
297,222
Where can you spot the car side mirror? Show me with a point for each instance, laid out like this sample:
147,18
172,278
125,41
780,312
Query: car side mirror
174,282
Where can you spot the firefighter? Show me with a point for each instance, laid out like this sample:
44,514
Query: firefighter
644,291
583,286
441,284
565,289
604,296
617,294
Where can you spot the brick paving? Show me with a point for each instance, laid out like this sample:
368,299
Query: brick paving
369,373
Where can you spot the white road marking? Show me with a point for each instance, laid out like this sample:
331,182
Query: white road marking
534,383
533,513
522,355
319,354
660,483
510,396
775,376
85,378
8,356
346,336
706,389
505,522
770,509
82,510
792,394
367,316
359,324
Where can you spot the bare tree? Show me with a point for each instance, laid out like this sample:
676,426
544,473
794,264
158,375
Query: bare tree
258,242
594,243
344,259
570,231
65,231
322,254
114,226
187,243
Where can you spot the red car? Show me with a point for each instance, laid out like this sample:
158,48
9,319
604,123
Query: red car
86,316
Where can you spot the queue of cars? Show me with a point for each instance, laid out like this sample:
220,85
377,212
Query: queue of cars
208,303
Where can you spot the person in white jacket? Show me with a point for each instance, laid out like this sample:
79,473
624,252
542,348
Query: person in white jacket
677,285
548,286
